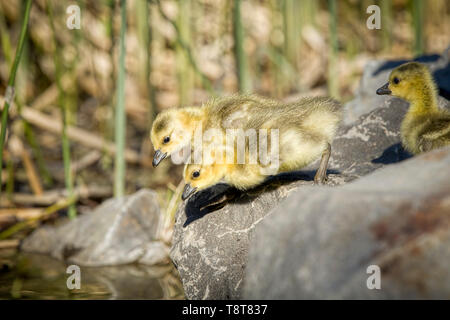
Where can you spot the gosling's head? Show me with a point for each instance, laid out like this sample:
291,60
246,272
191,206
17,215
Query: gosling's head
199,176
170,133
408,81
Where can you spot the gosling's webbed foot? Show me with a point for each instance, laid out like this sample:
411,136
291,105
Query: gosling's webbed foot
220,202
425,145
320,180
321,174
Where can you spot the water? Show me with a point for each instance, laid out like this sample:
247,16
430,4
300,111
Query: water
33,276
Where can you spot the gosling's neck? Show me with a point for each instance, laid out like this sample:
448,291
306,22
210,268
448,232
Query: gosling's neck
423,101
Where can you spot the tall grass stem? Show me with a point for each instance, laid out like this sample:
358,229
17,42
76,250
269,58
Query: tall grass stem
239,52
120,121
68,177
418,7
9,95
332,64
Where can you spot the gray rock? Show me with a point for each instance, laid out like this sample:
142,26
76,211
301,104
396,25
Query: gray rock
376,73
371,142
119,231
211,252
319,242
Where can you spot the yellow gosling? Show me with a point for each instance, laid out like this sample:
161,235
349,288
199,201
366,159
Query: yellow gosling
425,126
305,130
174,129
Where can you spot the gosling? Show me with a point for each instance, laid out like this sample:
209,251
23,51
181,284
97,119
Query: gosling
425,126
173,130
305,132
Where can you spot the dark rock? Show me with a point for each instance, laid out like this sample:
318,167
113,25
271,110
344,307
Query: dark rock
370,142
119,231
211,252
319,242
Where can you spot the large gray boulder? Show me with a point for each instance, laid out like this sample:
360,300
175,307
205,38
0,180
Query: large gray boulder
119,231
319,242
210,253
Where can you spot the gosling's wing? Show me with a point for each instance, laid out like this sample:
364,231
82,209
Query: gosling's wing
253,112
436,128
435,134
243,110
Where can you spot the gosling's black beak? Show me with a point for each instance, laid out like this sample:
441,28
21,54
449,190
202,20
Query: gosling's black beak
384,89
158,157
188,191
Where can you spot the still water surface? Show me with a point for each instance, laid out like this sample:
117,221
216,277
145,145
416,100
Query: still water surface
33,276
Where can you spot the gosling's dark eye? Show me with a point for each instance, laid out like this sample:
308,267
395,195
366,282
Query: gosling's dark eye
396,80
195,174
166,139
